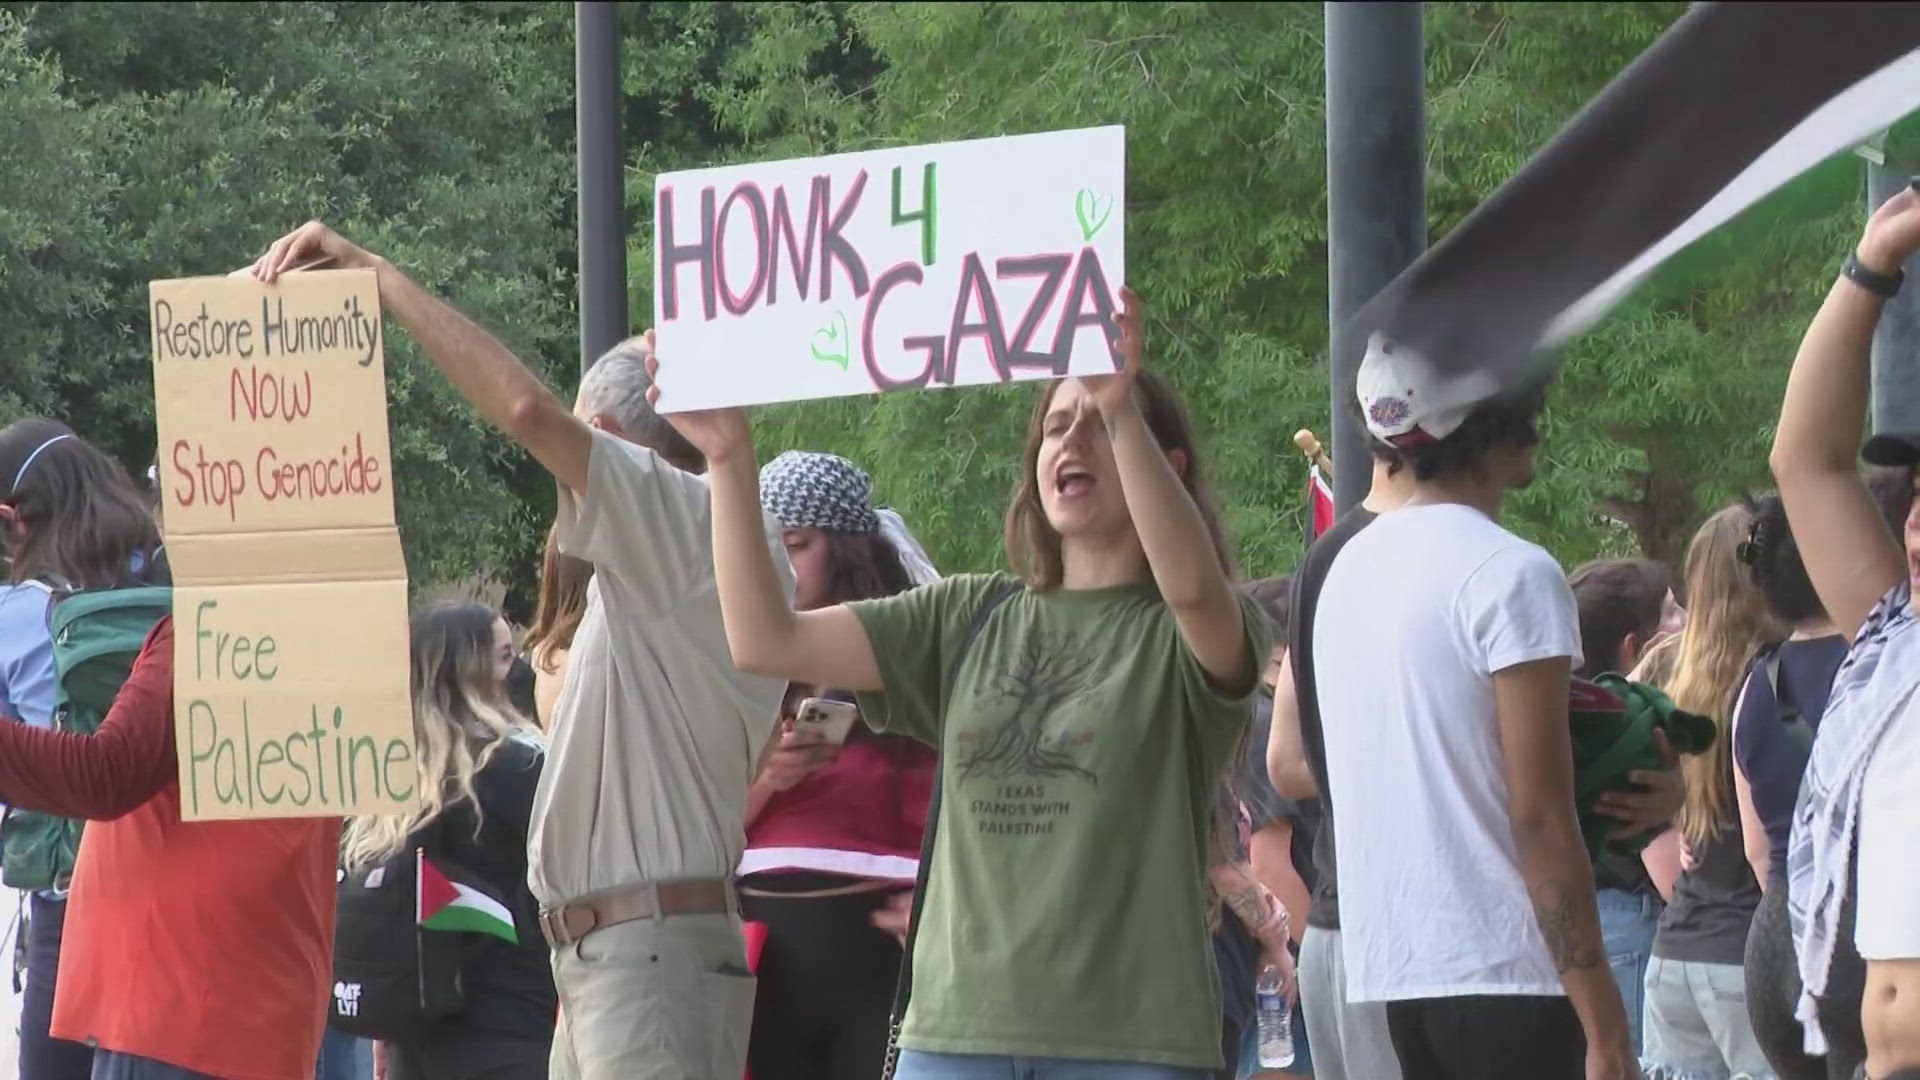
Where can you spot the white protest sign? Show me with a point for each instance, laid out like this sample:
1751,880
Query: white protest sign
944,265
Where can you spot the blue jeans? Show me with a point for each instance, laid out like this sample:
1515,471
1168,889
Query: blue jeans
1697,1026
1250,1047
919,1065
343,1057
113,1065
1628,921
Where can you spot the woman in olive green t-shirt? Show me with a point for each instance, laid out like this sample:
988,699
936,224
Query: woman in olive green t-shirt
1083,713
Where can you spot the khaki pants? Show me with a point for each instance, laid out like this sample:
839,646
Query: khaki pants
654,999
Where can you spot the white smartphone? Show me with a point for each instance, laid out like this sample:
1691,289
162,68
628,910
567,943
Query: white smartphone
832,719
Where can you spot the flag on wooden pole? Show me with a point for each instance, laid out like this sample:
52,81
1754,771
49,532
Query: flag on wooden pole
1320,505
1319,500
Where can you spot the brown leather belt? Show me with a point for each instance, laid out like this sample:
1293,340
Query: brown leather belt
567,923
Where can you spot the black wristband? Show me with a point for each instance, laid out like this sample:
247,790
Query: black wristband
1887,285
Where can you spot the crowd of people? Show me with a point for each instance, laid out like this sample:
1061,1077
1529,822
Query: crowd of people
760,792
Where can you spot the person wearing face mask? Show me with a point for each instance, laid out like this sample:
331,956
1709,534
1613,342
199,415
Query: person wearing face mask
479,764
1084,711
834,818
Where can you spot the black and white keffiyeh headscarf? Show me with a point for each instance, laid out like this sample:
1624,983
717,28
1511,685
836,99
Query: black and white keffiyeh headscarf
820,491
1875,688
823,491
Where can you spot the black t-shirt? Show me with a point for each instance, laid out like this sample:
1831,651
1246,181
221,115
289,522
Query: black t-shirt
1307,583
509,988
1706,921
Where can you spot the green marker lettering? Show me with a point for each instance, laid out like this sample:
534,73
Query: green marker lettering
925,215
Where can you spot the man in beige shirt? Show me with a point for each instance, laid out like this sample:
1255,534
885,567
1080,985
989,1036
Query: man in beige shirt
637,821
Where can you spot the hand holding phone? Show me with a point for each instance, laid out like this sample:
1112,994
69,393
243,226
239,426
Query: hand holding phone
832,720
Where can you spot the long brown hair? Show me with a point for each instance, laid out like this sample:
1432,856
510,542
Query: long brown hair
1727,623
1033,545
82,523
562,603
862,566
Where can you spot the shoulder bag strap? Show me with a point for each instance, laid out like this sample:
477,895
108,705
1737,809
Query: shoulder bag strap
903,988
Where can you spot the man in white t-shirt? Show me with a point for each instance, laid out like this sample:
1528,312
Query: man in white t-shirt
1442,653
637,823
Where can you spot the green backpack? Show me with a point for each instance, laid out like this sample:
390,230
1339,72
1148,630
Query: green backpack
1613,724
96,637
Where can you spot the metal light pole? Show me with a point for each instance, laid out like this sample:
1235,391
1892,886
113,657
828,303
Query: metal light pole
1896,342
603,196
1376,194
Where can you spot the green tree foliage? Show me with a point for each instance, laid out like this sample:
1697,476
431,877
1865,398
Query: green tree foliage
164,140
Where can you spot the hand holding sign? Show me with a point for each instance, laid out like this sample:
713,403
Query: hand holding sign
718,434
1114,392
306,246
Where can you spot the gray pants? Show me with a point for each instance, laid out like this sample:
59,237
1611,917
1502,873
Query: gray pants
1697,1026
1350,1042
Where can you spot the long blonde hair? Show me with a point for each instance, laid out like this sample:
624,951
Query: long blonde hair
1727,623
461,716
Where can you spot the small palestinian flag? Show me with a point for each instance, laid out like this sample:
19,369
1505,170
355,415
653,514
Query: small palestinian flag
1734,101
1319,500
444,904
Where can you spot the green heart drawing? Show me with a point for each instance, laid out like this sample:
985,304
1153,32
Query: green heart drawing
831,342
1093,212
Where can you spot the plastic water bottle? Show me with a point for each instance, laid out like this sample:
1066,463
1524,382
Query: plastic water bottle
1276,1021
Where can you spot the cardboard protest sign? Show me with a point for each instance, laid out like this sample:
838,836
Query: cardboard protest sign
943,265
290,593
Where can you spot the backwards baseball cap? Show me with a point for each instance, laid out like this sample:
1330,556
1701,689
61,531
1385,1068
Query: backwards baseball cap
1409,402
21,444
1896,451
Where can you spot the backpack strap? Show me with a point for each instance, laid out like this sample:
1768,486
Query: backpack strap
903,988
1799,730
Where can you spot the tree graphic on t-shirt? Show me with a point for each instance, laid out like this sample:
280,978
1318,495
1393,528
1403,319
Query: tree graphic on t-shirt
1039,683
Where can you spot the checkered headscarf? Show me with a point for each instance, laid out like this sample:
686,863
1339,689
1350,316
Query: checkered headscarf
804,489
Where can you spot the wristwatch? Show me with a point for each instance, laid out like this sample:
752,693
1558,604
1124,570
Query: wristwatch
1887,285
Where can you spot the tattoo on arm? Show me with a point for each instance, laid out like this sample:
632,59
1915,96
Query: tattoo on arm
1571,945
1249,899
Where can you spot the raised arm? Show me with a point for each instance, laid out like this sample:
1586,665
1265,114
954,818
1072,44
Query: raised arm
1851,557
1286,751
104,775
827,647
482,369
1531,699
1174,536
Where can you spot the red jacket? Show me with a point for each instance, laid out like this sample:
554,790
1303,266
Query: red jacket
862,816
206,945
